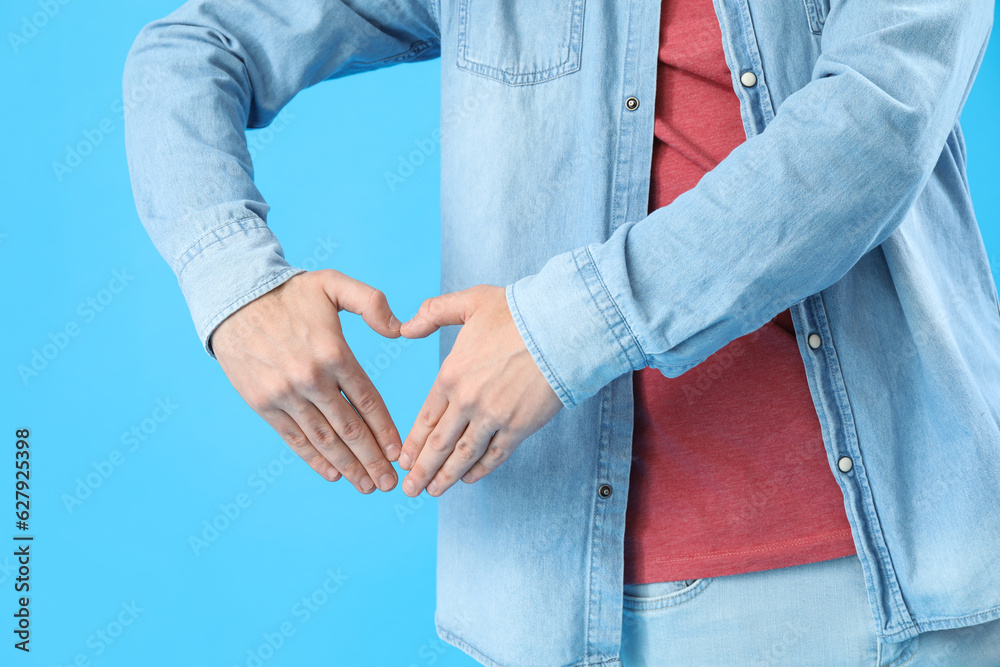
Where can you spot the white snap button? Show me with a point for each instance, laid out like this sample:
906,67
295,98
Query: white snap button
845,464
748,79
814,340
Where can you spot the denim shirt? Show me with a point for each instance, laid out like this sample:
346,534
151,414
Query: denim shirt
848,204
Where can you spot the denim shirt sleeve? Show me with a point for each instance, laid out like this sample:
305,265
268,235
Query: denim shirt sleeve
783,216
195,80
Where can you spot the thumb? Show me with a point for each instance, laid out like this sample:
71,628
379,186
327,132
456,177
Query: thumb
436,312
356,297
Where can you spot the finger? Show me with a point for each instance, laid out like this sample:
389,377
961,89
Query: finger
369,404
498,451
469,449
438,311
431,411
355,434
439,446
293,436
356,297
327,442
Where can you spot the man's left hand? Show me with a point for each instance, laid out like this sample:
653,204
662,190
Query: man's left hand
488,397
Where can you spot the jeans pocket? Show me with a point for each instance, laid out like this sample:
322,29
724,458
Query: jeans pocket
662,595
520,42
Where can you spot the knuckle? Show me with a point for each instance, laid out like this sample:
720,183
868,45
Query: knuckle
495,454
494,420
385,434
313,458
354,471
278,393
306,378
331,357
428,418
324,437
259,402
376,463
366,402
376,298
295,439
437,442
352,429
465,450
448,382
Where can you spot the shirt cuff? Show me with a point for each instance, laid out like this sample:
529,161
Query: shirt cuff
572,327
228,268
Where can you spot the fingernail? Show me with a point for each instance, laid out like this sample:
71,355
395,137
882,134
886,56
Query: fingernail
409,486
367,484
432,488
331,475
404,461
392,452
386,481
467,477
394,324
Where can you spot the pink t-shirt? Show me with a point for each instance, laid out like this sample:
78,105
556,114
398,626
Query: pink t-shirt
729,471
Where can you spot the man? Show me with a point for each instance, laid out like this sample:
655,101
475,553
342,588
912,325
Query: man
851,212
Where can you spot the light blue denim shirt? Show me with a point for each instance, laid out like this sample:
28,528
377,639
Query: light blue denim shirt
848,203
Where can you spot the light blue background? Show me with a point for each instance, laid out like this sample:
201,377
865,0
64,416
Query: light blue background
322,166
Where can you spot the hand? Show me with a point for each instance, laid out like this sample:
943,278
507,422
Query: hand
488,397
285,354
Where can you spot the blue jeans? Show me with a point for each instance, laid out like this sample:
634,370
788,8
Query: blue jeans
814,614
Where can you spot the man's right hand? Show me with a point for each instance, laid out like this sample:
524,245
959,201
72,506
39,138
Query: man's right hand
285,354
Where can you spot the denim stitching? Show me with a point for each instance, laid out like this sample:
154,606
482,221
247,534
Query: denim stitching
239,227
656,604
622,320
574,48
564,394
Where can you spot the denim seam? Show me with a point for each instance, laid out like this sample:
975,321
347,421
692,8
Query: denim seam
237,226
415,49
436,13
813,15
547,370
601,309
952,622
566,66
759,90
594,600
592,265
490,662
820,379
656,605
845,408
908,654
591,530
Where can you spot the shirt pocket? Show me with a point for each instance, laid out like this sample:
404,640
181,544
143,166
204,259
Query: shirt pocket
520,42
816,13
